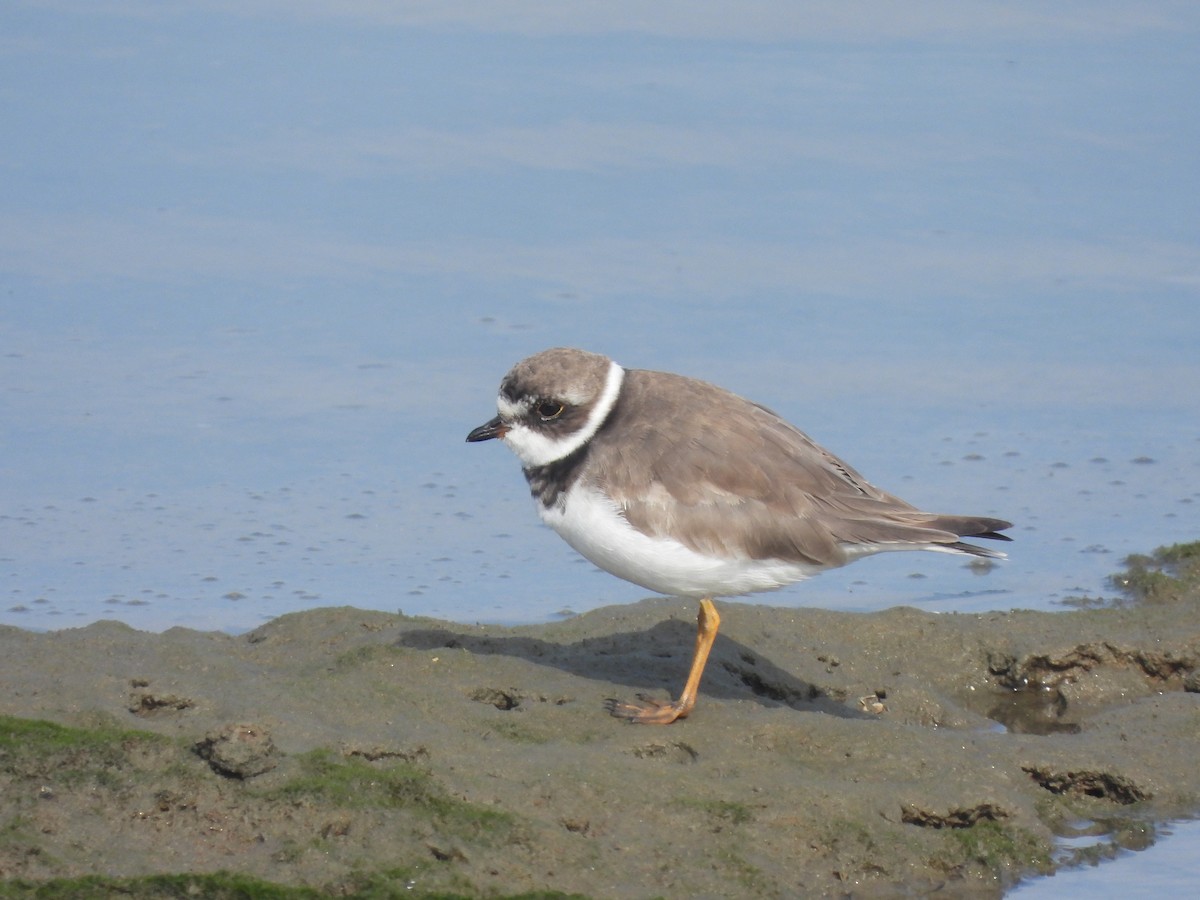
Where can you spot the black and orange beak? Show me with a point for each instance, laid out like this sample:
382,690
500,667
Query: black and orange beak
488,430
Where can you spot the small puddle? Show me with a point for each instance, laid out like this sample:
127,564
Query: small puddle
1033,710
1036,710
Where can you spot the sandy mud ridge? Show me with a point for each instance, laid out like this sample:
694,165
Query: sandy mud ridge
364,754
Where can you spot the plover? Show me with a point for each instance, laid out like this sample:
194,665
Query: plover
689,490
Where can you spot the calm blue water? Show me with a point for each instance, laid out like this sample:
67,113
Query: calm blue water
261,271
1167,868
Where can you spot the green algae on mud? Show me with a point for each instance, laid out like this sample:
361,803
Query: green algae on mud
231,886
832,753
71,753
1164,576
146,775
217,886
350,782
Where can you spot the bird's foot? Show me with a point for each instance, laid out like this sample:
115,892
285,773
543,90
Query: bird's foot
649,711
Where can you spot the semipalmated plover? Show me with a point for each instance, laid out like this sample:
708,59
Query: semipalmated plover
689,490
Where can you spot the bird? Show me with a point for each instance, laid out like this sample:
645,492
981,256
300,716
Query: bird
689,490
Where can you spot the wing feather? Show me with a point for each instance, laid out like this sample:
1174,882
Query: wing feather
732,478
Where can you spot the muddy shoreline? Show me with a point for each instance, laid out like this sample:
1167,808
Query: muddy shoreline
831,754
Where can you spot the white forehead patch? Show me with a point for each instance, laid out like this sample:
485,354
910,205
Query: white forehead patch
509,410
536,449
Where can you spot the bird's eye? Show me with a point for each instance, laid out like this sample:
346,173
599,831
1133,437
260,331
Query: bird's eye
550,409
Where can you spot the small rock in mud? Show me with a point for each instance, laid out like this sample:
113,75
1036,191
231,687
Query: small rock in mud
145,705
673,751
239,750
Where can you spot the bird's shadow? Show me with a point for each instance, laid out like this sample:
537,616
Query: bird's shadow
653,659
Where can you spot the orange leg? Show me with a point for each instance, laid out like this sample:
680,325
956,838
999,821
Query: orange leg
657,712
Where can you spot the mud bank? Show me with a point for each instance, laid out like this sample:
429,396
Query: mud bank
353,752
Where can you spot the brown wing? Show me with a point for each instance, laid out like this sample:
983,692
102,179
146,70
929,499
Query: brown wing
729,477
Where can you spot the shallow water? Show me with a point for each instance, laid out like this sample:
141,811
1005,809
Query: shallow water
186,502
1157,871
247,323
263,270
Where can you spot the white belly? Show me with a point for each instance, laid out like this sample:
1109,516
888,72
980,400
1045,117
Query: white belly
591,523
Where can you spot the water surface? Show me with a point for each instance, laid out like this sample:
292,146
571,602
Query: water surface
263,269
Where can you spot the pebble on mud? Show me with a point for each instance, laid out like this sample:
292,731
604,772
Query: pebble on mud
239,750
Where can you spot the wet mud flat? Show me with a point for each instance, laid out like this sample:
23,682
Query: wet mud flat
356,753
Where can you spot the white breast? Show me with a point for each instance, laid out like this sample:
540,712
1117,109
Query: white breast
591,523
